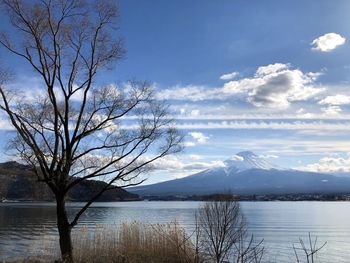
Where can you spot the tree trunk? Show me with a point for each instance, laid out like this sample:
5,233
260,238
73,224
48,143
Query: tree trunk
64,231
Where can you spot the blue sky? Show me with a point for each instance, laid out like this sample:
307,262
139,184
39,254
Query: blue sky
268,76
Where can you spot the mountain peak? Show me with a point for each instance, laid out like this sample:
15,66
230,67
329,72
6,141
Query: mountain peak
248,160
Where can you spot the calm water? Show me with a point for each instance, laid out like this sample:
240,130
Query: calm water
23,227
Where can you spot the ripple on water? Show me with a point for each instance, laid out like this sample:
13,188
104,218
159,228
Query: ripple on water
25,226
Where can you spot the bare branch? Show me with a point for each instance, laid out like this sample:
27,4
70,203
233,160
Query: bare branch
74,129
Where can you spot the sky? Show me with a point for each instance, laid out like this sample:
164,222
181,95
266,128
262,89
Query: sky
272,77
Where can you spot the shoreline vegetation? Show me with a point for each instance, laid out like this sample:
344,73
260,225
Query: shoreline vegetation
254,198
219,235
262,197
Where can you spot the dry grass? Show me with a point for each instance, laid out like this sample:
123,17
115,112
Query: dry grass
128,243
134,243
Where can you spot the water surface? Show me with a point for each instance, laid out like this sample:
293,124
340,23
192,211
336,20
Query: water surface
24,227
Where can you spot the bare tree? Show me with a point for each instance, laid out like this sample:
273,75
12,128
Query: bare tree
221,225
248,250
73,130
310,252
221,233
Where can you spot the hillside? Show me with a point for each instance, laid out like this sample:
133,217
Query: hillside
19,183
248,174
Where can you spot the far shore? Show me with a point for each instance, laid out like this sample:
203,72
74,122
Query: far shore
343,197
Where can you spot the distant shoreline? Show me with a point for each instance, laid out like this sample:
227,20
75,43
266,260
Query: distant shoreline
264,197
245,198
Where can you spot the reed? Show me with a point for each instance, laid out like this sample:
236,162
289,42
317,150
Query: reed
126,243
134,243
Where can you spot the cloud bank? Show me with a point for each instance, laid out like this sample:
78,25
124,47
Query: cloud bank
329,165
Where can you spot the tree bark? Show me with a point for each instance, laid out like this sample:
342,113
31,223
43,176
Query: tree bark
64,231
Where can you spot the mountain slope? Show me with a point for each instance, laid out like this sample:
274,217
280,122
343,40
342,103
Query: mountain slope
19,183
246,173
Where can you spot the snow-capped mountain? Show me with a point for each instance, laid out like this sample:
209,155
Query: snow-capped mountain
248,160
247,173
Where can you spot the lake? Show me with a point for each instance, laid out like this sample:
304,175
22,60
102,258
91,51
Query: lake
24,226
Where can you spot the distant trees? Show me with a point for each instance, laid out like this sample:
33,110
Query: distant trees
73,130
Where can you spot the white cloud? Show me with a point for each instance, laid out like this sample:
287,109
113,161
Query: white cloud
275,86
272,68
329,165
174,163
288,146
194,113
314,125
318,125
331,110
328,42
338,99
229,76
189,92
190,144
234,111
197,138
333,104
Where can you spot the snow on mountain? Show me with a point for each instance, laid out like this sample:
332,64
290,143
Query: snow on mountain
248,160
238,163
